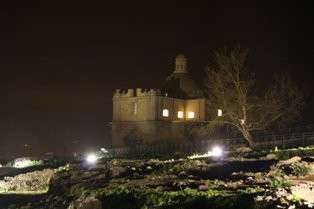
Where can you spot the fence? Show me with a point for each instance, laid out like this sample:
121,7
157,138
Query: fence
270,141
265,141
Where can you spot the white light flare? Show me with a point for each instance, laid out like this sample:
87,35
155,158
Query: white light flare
91,158
216,152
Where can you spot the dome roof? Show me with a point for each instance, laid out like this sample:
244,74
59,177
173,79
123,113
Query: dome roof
185,83
180,56
180,84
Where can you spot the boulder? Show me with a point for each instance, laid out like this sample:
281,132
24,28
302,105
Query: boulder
244,149
311,169
117,171
271,156
85,203
304,191
291,161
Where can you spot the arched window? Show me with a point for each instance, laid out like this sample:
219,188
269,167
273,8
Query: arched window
165,112
191,115
180,114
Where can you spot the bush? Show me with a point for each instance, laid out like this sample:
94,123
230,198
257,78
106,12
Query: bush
299,169
289,153
276,183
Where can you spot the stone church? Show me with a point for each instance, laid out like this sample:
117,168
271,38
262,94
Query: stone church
149,117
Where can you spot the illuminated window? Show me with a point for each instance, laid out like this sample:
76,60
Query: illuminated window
180,114
165,113
219,112
191,115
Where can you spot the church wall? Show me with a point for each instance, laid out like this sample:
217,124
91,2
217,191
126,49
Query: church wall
198,107
134,107
148,133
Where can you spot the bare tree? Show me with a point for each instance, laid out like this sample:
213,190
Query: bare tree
232,93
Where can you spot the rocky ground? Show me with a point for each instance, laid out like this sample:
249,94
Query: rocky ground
241,180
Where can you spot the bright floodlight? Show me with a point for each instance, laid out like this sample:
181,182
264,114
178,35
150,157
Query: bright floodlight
103,150
216,151
91,158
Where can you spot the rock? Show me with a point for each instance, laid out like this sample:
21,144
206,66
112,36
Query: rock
182,174
243,149
117,171
311,169
271,156
304,191
85,203
36,181
290,161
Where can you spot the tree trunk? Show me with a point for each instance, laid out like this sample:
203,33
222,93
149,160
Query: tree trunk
248,137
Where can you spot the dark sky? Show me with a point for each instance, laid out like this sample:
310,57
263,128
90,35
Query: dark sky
60,61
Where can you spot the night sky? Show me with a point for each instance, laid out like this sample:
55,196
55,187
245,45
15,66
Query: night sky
61,61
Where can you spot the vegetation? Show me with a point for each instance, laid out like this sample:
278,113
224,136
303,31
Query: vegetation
179,184
289,153
299,169
231,87
276,182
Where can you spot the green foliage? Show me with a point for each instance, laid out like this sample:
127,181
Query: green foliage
77,190
183,166
299,169
289,153
117,197
277,182
253,190
295,199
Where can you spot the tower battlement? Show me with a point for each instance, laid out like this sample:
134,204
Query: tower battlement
139,92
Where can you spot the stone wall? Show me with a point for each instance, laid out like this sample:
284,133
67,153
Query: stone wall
150,133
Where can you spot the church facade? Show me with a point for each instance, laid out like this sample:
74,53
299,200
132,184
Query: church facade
149,117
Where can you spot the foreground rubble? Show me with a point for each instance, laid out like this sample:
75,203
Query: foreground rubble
235,182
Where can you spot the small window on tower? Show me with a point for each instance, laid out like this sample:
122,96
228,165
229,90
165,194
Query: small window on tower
180,114
191,115
165,112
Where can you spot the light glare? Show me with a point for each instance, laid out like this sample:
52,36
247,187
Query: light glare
215,152
91,158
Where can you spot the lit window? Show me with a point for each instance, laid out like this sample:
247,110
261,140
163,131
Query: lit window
191,115
180,114
219,112
165,113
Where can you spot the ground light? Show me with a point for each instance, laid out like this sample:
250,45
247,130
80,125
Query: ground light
91,158
216,152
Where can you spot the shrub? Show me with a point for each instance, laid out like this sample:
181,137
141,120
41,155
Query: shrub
276,182
299,169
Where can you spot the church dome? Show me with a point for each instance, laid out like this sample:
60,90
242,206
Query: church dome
185,83
180,56
180,83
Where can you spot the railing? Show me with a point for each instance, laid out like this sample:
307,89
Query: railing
270,141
